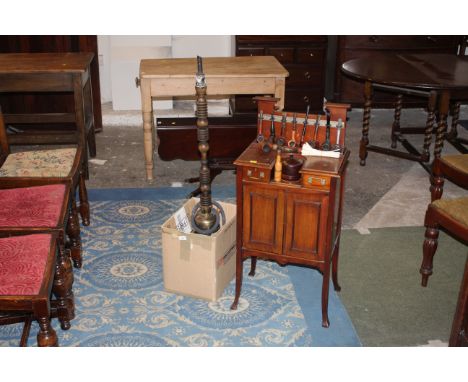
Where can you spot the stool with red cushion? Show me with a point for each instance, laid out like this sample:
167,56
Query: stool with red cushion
41,209
31,267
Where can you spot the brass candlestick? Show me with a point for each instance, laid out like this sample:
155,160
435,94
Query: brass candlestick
205,218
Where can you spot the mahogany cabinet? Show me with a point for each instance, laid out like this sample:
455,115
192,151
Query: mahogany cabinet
349,90
290,222
304,57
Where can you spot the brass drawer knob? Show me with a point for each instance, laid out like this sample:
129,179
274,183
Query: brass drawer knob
307,75
311,55
311,179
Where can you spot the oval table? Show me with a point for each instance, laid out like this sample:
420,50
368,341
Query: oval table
435,76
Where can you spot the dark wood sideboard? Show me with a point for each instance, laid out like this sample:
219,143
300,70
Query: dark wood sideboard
304,57
53,102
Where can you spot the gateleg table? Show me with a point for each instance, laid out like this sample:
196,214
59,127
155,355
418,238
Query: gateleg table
173,77
439,77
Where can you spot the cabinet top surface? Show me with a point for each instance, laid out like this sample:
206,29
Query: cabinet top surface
324,165
44,62
431,71
257,66
253,156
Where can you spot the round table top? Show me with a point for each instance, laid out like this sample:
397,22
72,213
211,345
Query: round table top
427,71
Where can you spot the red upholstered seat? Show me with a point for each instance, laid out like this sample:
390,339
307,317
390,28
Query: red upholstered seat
31,206
22,264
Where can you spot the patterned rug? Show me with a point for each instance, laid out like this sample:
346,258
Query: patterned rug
120,297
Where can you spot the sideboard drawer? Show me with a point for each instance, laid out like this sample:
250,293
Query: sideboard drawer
298,99
304,75
251,51
284,55
310,56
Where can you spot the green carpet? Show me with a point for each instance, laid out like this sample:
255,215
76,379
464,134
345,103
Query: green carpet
381,286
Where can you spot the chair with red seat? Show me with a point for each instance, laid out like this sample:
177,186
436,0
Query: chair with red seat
40,167
41,209
31,267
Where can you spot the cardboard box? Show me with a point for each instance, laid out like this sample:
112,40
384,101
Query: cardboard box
198,265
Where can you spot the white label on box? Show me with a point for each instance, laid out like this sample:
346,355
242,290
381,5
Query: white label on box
182,237
182,222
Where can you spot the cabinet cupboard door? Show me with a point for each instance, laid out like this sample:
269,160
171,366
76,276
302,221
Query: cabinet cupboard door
263,218
306,225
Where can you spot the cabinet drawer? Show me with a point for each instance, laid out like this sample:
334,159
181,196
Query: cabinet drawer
316,181
284,55
250,51
304,75
256,174
310,56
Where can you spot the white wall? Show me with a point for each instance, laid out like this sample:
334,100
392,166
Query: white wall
205,46
104,68
119,59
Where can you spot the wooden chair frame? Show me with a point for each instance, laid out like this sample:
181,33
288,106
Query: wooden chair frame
436,219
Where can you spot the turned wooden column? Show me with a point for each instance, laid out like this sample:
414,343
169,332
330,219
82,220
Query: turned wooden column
444,100
365,122
396,120
431,106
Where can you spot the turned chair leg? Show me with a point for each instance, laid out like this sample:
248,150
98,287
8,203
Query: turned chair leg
429,248
47,335
73,232
437,186
84,204
62,288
